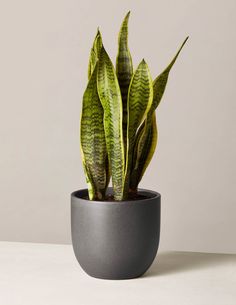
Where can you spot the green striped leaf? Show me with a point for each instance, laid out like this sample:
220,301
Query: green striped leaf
110,96
93,144
139,101
124,70
160,82
94,53
144,149
91,189
144,142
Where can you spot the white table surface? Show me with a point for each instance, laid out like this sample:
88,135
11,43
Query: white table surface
46,274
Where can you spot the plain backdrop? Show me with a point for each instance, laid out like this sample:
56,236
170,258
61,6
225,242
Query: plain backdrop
44,50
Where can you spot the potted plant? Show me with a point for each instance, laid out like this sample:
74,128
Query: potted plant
115,231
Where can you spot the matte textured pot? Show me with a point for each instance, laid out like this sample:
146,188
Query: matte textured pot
115,240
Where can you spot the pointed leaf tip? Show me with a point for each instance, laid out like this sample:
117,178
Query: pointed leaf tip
185,40
98,32
126,19
127,15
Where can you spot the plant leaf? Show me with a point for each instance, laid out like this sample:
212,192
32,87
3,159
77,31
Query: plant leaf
144,141
160,82
139,101
124,70
94,53
144,149
110,96
93,144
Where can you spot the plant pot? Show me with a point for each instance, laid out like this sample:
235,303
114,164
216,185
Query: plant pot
115,240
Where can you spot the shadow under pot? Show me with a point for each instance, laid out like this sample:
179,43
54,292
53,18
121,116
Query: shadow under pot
115,240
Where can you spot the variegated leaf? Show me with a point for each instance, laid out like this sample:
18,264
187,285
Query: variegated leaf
110,96
143,143
124,70
160,82
93,144
94,53
139,101
144,150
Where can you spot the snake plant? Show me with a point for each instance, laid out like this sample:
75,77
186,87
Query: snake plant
118,124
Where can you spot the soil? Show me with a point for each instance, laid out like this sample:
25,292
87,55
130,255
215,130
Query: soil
132,197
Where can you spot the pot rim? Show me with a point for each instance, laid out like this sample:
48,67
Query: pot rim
152,195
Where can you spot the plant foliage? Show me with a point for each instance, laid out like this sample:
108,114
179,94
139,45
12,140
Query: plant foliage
118,123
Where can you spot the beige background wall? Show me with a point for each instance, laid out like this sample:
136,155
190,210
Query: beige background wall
44,49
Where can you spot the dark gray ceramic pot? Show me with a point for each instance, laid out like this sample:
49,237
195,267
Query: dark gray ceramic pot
115,240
